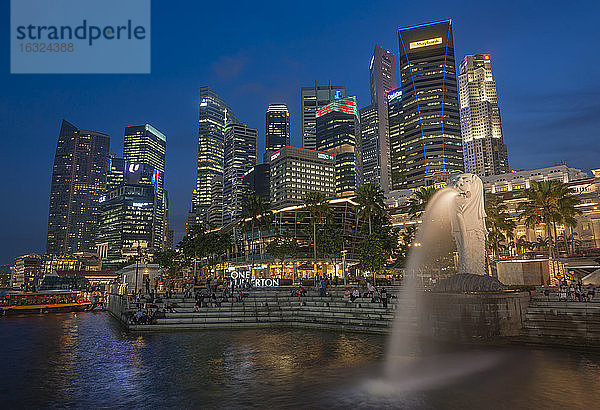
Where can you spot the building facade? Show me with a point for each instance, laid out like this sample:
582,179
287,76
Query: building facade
145,145
395,121
28,271
129,216
312,99
483,146
277,127
294,172
369,145
214,113
239,157
383,80
431,140
78,179
257,181
338,133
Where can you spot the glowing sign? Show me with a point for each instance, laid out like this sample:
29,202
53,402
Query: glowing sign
203,103
324,156
394,94
141,204
134,167
486,57
425,43
275,155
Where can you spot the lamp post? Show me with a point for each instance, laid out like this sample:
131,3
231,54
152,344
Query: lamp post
137,258
344,265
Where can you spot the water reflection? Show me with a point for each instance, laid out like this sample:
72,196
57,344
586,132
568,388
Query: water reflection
89,361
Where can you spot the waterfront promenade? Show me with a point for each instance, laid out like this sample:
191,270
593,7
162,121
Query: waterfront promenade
512,316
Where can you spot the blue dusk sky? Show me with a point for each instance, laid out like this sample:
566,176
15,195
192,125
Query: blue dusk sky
544,56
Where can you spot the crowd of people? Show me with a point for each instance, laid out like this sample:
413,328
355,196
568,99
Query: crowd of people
576,291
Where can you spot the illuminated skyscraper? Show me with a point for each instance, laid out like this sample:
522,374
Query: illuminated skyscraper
338,134
431,141
214,113
383,79
395,121
128,214
483,146
277,128
78,180
144,144
314,98
369,145
239,157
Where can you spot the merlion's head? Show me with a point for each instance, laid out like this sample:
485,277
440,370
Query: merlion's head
470,192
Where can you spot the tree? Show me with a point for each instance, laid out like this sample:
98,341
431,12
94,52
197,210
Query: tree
549,202
168,259
499,224
255,209
329,240
318,210
418,202
283,246
377,247
370,203
194,245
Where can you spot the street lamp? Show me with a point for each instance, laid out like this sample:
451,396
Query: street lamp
344,265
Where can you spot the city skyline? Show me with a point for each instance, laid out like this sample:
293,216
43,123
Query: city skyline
354,76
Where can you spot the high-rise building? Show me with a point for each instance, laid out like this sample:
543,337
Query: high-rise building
257,181
128,215
78,180
383,79
431,141
277,128
395,121
314,98
338,133
296,171
215,210
214,113
369,145
144,144
483,146
239,156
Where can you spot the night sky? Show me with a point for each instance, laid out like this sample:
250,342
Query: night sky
544,59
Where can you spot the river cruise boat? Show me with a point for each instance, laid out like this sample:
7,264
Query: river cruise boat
13,302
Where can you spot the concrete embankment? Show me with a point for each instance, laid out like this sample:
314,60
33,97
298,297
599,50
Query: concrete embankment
553,321
449,316
268,309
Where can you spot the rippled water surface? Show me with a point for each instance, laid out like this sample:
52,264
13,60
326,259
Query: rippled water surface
87,360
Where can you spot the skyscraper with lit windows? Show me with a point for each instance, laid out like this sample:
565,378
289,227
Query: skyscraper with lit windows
338,133
483,146
431,140
144,144
383,79
214,113
239,157
277,127
313,99
78,180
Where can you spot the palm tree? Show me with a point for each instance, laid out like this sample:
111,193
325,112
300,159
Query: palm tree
418,203
370,203
549,202
255,209
318,209
500,226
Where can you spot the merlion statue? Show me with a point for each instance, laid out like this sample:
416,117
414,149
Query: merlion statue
468,223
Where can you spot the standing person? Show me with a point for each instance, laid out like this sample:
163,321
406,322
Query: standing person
208,284
147,286
384,297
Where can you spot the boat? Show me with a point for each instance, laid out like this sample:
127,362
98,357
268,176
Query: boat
12,302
